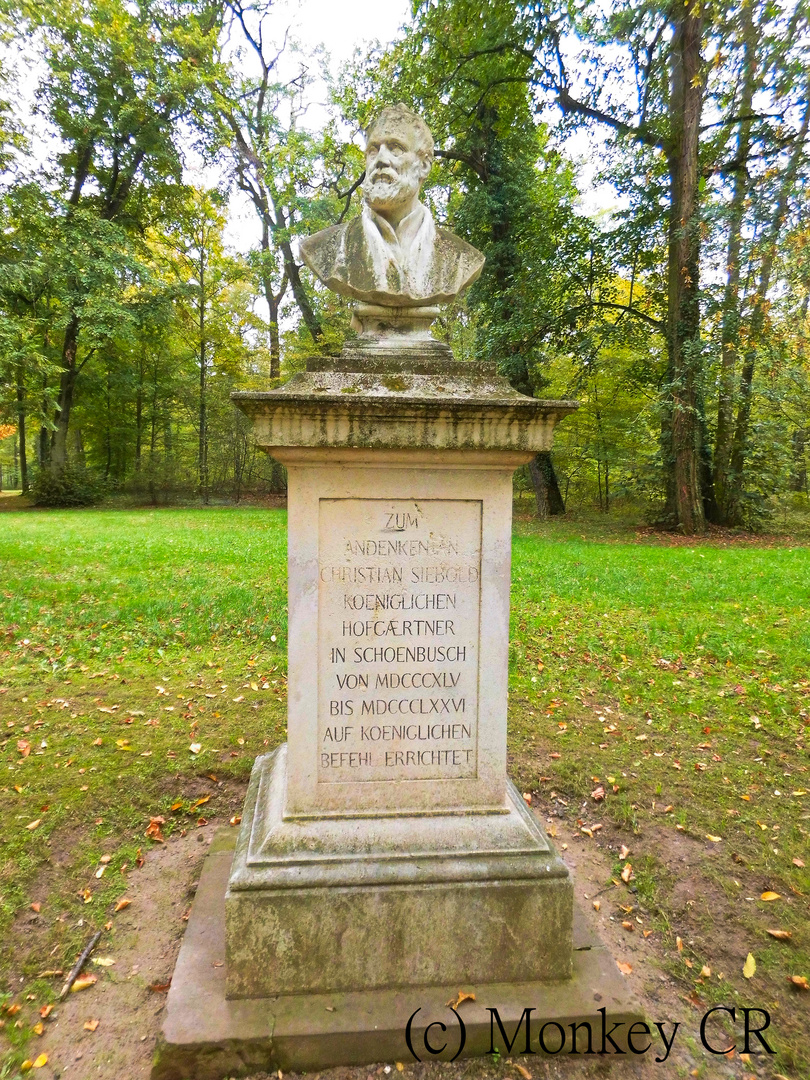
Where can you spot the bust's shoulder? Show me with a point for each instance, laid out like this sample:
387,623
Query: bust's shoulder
451,246
319,251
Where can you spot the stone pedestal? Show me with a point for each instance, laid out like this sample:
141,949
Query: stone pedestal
384,847
384,861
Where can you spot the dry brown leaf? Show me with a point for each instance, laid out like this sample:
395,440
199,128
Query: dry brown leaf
161,988
524,1072
34,824
687,961
627,872
90,1025
770,896
797,862
628,925
527,798
596,905
598,794
646,933
800,981
122,903
625,969
45,1011
780,935
83,983
200,802
679,944
705,972
36,906
236,819
153,830
624,851
460,997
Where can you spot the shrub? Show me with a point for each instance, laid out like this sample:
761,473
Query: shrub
73,486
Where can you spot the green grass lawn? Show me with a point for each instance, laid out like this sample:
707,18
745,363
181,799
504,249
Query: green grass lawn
144,652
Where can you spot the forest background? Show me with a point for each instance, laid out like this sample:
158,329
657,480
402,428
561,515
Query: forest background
679,319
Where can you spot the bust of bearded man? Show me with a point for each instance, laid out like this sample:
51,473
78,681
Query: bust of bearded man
394,254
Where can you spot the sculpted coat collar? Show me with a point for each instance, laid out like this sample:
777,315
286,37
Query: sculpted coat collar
418,264
401,257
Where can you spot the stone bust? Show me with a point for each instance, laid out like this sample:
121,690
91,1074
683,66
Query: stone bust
393,254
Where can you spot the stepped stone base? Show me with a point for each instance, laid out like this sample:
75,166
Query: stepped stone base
351,903
206,1036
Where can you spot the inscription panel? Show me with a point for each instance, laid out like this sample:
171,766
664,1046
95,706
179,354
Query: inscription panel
399,587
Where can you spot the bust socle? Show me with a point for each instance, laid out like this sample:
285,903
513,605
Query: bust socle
394,254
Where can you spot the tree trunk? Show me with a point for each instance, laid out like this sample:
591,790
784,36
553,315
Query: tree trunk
734,492
683,311
546,489
203,453
67,387
798,475
21,429
731,295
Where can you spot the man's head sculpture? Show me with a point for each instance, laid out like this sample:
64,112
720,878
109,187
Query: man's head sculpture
393,257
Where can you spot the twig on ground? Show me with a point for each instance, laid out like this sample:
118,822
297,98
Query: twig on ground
75,971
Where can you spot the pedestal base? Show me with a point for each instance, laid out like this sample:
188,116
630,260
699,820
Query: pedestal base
357,903
206,1037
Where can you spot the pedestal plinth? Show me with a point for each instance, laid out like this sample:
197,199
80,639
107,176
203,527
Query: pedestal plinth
384,847
384,861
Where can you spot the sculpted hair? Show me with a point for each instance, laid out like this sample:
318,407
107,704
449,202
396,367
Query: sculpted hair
402,114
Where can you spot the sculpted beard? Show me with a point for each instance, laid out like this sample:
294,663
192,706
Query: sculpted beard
387,189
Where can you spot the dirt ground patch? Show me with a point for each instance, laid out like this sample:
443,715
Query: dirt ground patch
146,937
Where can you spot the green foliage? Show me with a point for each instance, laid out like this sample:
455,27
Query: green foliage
75,485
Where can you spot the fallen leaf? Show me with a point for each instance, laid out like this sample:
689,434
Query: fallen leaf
797,862
38,1028
596,905
625,969
24,746
627,872
122,903
40,1061
200,802
153,830
770,896
705,972
679,944
780,935
195,747
524,1072
90,1025
688,962
45,1011
83,983
161,988
236,819
462,996
527,798
34,824
86,895
177,805
750,966
624,851
646,933
103,961
800,981
97,742
36,906
598,794
714,839
628,925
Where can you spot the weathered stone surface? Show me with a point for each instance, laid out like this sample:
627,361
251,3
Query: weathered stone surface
206,1036
320,905
393,255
